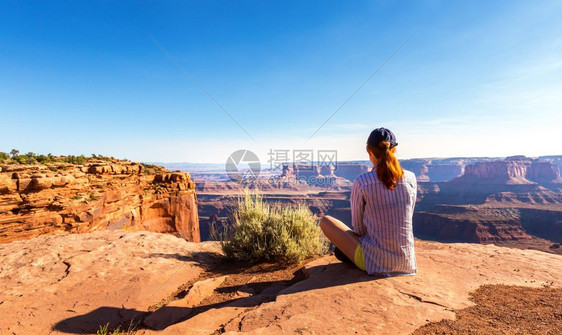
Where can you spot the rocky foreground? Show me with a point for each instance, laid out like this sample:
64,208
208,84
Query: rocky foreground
68,284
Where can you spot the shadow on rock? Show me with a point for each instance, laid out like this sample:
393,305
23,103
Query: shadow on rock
204,258
315,277
181,258
90,323
329,275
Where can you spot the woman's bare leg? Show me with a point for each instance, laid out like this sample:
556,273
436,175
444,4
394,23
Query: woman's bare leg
340,234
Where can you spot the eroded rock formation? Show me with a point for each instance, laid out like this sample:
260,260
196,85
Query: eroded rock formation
474,224
350,171
436,169
43,199
512,170
504,200
485,195
313,175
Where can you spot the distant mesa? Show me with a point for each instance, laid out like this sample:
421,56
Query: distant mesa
542,169
512,170
436,169
350,171
517,201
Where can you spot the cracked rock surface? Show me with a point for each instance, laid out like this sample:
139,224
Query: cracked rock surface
74,283
337,299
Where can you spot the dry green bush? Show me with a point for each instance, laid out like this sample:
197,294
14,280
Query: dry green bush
261,232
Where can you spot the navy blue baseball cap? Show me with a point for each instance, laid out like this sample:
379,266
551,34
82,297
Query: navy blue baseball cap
382,134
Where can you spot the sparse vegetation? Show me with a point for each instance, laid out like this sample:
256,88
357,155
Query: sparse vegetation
262,232
104,330
151,168
14,157
77,160
4,156
77,197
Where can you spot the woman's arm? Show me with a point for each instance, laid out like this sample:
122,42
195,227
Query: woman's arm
357,209
415,185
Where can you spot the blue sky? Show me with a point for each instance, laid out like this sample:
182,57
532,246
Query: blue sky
478,78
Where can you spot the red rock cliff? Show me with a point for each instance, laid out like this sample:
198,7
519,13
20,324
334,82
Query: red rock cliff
508,171
43,199
545,172
500,171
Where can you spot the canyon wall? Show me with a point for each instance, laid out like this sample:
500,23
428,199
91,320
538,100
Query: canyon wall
509,172
512,170
556,160
449,223
514,199
509,181
437,169
350,171
43,199
444,172
546,224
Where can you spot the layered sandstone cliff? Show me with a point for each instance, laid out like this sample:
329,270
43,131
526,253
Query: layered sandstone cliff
449,223
512,170
99,195
515,199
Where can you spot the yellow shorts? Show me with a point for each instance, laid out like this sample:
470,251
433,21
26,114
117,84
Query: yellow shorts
358,257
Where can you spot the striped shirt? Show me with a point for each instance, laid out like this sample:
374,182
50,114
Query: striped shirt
383,219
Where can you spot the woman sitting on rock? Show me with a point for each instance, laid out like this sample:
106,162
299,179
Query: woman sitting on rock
382,206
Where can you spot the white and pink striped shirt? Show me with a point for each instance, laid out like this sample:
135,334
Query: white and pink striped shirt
383,219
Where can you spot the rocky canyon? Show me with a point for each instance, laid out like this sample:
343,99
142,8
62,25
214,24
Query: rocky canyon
117,244
515,201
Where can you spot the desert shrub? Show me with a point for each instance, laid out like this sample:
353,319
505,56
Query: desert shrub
43,159
79,160
4,156
25,159
263,232
104,330
151,168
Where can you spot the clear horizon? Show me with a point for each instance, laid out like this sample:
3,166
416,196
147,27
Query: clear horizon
476,79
